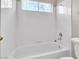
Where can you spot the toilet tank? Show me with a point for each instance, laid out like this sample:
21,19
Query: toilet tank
75,45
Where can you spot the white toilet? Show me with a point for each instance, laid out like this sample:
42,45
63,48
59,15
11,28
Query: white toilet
67,58
76,48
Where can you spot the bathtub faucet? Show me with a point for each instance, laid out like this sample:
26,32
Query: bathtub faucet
60,36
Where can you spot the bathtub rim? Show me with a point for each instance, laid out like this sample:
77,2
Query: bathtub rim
43,54
35,44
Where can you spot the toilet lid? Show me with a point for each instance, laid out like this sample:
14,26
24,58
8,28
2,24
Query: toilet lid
67,58
77,50
77,57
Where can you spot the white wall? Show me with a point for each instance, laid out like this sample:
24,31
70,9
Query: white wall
0,28
64,21
37,26
75,18
8,22
34,26
0,18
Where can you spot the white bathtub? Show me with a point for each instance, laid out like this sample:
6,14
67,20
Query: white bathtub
40,51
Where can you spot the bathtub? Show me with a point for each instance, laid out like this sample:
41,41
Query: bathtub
40,51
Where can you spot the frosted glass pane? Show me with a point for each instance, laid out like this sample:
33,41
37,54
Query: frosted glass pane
62,10
29,5
6,3
45,7
36,5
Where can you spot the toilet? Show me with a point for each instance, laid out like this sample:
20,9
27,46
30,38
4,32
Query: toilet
75,42
67,58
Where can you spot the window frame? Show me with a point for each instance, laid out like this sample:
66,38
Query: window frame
6,4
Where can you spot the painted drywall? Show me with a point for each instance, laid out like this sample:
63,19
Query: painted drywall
75,18
33,27
64,21
75,22
8,22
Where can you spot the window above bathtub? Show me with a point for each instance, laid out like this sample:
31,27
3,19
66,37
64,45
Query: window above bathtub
6,3
35,5
29,5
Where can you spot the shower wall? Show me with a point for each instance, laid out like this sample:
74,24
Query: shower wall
8,26
22,27
34,27
64,21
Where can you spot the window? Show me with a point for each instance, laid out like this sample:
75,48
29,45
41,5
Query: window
62,10
29,5
6,3
36,6
44,7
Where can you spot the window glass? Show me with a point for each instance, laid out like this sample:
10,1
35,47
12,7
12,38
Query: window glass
34,5
29,5
45,7
62,10
6,3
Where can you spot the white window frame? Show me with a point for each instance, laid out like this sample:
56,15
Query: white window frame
6,3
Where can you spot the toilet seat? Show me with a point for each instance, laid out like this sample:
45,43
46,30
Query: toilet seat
77,57
75,45
66,58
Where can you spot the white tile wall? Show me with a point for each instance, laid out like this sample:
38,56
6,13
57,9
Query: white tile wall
64,21
8,22
34,26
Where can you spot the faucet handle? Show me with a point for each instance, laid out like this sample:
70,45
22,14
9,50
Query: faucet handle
1,38
55,40
60,34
